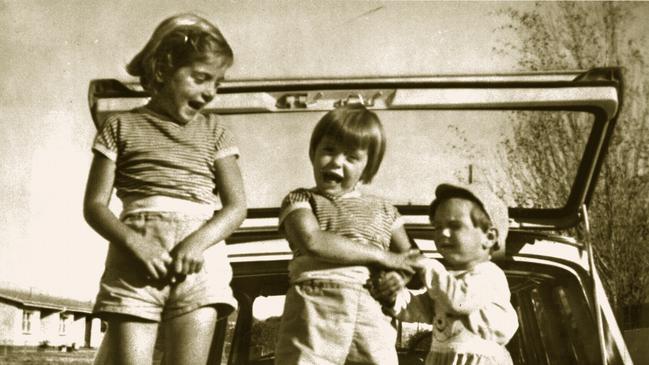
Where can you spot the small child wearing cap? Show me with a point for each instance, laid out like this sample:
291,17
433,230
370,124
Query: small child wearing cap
468,301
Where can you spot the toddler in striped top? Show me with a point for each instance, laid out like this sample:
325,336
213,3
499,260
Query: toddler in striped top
171,166
338,235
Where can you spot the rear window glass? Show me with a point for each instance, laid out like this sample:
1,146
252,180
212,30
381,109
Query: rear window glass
510,150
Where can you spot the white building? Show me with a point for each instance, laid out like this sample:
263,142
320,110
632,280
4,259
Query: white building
31,318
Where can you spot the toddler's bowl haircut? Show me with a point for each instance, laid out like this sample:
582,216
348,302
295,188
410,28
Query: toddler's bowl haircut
356,127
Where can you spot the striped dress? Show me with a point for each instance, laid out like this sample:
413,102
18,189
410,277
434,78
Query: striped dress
155,156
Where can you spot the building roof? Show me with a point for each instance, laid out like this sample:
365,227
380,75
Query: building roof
34,298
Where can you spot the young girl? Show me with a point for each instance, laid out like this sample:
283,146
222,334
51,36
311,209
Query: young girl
467,302
166,265
337,233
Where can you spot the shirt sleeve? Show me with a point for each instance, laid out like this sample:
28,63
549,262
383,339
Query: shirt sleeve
296,199
225,142
395,216
106,139
398,220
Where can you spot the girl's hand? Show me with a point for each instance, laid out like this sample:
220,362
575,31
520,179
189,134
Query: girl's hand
421,263
152,255
405,261
187,258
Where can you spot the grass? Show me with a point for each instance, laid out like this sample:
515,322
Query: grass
52,356
31,356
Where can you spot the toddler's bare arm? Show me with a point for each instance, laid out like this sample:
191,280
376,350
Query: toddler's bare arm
304,233
385,286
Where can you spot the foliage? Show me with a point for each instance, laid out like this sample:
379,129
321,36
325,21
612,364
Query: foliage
263,336
583,35
420,341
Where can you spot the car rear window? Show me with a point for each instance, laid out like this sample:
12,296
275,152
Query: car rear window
508,149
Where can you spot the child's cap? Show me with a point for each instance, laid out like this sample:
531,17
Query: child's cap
166,27
495,207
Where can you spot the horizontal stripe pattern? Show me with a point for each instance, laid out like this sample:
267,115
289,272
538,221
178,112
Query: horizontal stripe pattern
155,156
362,218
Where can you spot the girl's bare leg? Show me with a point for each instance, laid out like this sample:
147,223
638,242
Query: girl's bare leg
188,338
102,356
127,342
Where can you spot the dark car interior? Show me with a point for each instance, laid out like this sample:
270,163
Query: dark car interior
555,323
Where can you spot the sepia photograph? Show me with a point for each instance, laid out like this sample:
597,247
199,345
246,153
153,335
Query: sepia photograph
257,182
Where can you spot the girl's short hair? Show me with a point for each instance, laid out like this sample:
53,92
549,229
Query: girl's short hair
176,42
356,127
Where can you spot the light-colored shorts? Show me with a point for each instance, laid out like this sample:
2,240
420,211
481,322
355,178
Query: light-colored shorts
330,322
125,287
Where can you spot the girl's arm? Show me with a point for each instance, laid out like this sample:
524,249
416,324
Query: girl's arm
400,241
387,294
188,255
304,233
96,212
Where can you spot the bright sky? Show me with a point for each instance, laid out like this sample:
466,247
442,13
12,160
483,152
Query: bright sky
51,49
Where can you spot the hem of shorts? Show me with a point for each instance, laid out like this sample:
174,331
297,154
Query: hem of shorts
209,302
101,311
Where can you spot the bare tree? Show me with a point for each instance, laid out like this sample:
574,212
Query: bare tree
582,35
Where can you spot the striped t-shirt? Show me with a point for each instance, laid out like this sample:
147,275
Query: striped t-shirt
155,156
362,218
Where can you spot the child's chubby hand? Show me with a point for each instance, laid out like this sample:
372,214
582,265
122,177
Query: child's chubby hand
428,268
385,285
